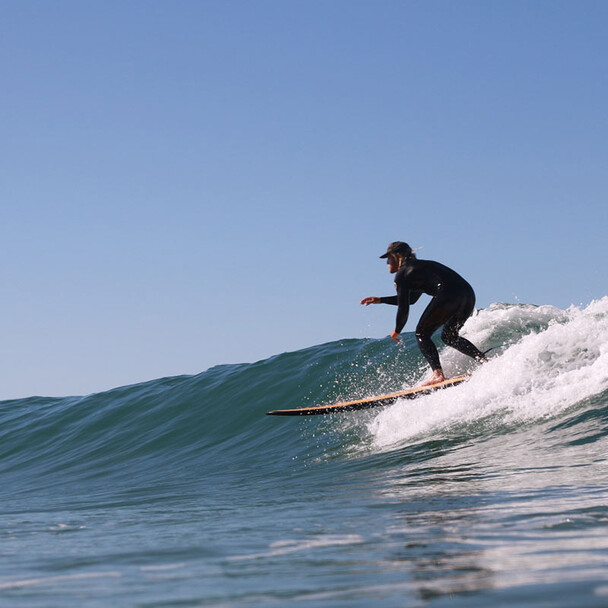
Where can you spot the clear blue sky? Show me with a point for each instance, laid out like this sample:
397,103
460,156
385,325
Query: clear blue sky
190,183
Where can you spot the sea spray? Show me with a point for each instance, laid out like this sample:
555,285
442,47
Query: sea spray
551,361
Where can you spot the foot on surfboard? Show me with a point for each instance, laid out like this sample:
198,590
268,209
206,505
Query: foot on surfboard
437,377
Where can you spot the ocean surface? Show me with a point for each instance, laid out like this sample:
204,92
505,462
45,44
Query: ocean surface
182,492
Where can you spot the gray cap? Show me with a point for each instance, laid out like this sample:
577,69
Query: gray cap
398,247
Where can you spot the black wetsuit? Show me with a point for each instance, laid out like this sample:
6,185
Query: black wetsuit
452,304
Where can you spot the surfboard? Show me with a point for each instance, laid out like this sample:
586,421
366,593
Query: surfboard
369,402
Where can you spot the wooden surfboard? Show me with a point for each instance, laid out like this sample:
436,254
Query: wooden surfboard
368,402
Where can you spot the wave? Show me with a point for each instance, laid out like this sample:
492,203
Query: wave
548,367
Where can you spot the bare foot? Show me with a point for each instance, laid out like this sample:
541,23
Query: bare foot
437,377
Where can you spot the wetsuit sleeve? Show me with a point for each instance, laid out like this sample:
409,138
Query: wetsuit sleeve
415,295
403,302
394,300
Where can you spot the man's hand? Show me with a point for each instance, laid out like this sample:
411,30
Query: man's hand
395,336
370,300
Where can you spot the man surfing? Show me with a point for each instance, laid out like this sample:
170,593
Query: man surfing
452,304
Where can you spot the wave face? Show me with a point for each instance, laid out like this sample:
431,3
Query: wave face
530,421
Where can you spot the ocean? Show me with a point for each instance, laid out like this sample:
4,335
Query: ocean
182,492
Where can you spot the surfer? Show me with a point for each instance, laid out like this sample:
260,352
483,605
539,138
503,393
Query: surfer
452,304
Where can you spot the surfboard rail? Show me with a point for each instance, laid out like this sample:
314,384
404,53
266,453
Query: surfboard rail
369,402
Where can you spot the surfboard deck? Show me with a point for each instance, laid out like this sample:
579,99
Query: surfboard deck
369,402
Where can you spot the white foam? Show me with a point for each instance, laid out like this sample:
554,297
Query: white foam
51,580
556,358
284,547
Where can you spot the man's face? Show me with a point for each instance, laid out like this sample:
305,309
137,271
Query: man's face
393,263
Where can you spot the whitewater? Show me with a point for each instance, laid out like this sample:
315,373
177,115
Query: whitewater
182,492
